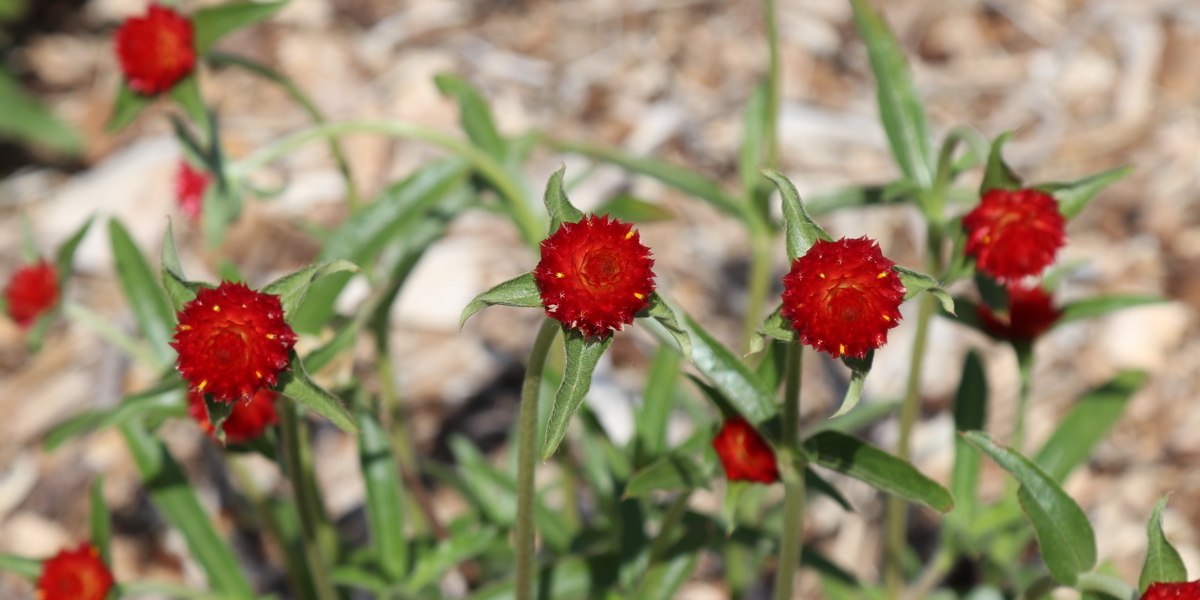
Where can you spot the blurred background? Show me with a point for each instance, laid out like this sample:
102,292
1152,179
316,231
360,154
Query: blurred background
1085,85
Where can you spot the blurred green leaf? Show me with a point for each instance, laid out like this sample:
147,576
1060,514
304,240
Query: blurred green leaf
1073,196
127,106
99,524
296,384
916,282
859,369
519,291
385,497
1064,535
657,402
558,204
217,411
292,287
582,356
662,312
853,457
25,567
997,175
817,484
66,253
663,579
1102,305
631,209
474,115
178,288
1088,422
570,578
215,22
775,326
11,9
970,413
671,473
801,231
1163,563
186,93
150,307
900,107
26,121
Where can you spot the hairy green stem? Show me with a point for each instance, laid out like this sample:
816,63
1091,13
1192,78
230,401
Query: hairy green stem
527,433
313,524
792,471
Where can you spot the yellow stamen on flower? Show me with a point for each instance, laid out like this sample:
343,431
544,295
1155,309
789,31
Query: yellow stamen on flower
203,384
841,348
881,275
270,336
821,275
638,296
185,327
886,318
258,375
630,234
558,275
216,308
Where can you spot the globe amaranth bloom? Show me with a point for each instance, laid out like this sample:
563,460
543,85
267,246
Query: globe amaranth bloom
232,341
842,297
1014,234
246,421
1184,590
595,275
155,51
77,574
31,291
1031,312
190,185
744,453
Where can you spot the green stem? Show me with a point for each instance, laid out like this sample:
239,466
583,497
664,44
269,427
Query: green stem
774,84
298,455
1039,588
296,572
103,327
943,561
510,190
792,471
671,520
1025,366
759,283
527,433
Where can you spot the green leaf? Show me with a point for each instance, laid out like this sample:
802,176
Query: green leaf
665,315
663,579
217,412
126,108
1102,305
859,369
1064,534
1088,422
215,22
775,326
900,107
631,209
25,120
99,524
1163,563
1073,196
997,174
801,231
557,204
475,117
970,413
850,456
754,124
916,282
160,401
66,253
519,291
176,500
178,288
186,93
291,288
385,497
671,473
25,567
296,384
817,484
657,402
582,356
154,315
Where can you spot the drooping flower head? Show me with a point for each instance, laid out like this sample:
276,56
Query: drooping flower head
744,453
155,51
1014,234
595,275
31,291
77,574
189,189
1031,312
843,297
1184,590
232,341
246,421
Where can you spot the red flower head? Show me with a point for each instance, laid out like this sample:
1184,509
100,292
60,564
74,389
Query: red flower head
1030,313
155,51
1014,234
595,275
232,341
744,453
843,297
75,575
245,422
32,291
1185,590
189,189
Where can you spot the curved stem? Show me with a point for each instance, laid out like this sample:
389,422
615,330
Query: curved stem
792,471
527,433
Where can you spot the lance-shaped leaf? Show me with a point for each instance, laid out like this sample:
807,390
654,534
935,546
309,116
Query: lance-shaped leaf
215,22
583,354
291,288
519,291
851,456
25,567
66,253
217,411
671,473
557,204
1163,563
1088,422
997,174
160,401
859,369
474,115
99,523
775,326
665,315
385,499
801,231
178,287
1064,535
127,106
916,282
27,120
1073,196
296,384
153,313
970,413
1102,305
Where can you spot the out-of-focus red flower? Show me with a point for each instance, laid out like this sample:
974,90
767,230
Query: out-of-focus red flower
246,421
1031,312
843,297
744,453
232,341
31,291
75,575
1184,590
189,189
155,51
1014,234
595,275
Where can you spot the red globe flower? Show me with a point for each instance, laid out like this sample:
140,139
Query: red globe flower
232,341
1184,590
843,297
155,51
1014,234
1030,313
595,275
744,453
32,291
189,189
75,575
245,422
